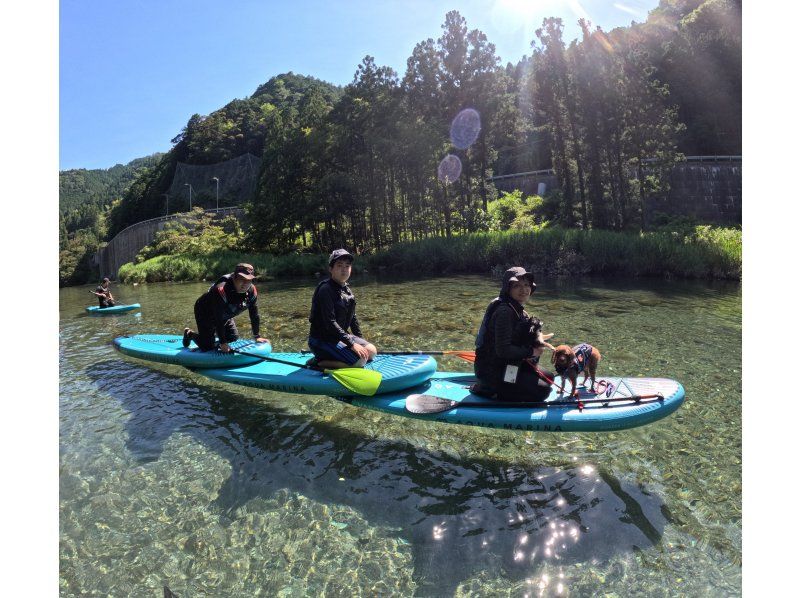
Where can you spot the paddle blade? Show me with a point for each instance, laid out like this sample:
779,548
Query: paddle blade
421,404
358,380
465,355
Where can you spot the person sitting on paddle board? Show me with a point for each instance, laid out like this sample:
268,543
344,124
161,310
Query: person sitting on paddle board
506,364
333,313
215,309
104,295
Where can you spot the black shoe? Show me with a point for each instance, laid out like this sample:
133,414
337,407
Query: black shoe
482,391
314,363
187,337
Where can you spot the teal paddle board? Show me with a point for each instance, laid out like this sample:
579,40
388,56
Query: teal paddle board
168,348
559,413
397,372
96,310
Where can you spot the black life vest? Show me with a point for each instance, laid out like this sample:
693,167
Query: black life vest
231,308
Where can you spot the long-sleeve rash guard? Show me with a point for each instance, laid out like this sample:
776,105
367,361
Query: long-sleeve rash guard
333,312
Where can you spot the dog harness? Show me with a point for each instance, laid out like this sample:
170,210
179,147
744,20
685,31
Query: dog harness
582,354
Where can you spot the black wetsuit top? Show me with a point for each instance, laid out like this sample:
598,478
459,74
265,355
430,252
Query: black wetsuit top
333,313
104,300
499,344
223,302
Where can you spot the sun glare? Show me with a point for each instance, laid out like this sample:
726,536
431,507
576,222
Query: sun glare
517,14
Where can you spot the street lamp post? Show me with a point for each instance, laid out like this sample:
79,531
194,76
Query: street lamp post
167,196
190,195
217,180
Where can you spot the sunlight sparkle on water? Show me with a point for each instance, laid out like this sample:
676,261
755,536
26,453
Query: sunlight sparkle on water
438,532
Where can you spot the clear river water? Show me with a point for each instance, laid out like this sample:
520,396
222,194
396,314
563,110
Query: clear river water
168,478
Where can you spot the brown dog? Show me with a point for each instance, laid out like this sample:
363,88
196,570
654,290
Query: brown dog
570,362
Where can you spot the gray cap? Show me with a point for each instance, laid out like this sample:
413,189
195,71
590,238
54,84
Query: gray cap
338,254
517,273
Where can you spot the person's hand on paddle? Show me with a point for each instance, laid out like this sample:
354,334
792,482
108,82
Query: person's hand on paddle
261,339
361,352
224,347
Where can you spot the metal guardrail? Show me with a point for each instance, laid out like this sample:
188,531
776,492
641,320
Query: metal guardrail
686,159
713,158
519,174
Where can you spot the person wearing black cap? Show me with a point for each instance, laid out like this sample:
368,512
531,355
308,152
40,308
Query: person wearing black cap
506,364
333,313
104,295
215,309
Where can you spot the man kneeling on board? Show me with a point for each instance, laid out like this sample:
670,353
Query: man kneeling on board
215,309
333,313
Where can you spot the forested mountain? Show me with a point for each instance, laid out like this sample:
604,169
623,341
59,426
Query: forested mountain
83,194
396,156
240,127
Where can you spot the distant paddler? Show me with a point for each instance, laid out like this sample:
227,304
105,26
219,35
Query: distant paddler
103,292
335,335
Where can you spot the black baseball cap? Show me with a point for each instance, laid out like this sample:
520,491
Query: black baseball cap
339,254
245,271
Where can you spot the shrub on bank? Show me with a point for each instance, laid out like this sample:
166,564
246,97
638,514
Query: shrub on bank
184,267
704,253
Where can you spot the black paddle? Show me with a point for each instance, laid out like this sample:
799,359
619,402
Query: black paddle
424,404
465,355
357,380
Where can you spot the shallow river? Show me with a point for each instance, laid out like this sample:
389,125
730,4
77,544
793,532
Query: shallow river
169,478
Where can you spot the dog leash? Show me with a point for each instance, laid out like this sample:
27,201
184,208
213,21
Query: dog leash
536,369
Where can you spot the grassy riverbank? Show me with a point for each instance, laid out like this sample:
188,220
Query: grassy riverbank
705,253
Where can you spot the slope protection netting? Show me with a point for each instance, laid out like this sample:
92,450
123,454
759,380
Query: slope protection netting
237,181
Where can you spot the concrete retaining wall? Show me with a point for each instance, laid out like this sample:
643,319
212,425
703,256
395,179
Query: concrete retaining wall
128,242
709,192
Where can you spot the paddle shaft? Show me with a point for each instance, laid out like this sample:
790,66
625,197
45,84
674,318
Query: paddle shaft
357,380
422,352
635,398
265,358
417,352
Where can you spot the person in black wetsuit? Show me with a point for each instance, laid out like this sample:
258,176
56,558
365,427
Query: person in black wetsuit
333,313
104,295
506,365
215,309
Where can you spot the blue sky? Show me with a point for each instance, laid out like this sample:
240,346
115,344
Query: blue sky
133,72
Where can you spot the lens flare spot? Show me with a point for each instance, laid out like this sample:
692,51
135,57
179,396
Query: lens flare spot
465,128
449,169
